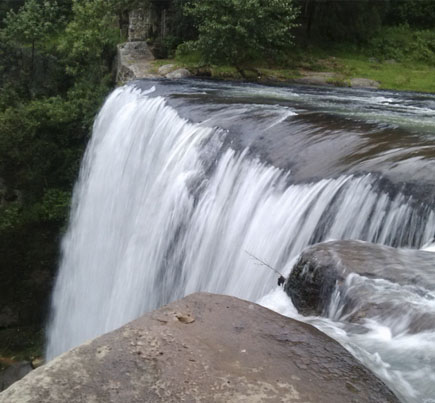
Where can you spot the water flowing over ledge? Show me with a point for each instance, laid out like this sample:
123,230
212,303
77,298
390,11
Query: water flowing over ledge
164,208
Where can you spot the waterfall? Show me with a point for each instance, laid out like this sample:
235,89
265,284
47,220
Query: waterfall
164,207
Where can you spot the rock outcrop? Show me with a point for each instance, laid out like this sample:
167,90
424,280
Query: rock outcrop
139,23
324,266
144,23
149,21
166,69
204,348
179,73
364,83
134,61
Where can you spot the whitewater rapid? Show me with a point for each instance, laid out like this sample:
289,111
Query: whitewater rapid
164,207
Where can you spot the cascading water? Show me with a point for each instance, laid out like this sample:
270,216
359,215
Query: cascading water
164,207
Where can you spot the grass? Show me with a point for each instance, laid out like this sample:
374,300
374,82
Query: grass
345,62
405,76
391,74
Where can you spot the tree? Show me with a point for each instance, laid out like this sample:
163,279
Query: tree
341,21
238,32
90,38
416,13
8,5
31,23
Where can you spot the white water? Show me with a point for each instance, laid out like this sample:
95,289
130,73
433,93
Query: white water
162,209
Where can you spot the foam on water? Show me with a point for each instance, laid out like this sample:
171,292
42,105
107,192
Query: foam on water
429,247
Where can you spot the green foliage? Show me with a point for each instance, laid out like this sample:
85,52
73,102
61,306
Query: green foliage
37,142
9,216
55,205
8,5
403,44
181,26
25,343
89,39
32,22
55,70
349,21
415,13
25,49
239,31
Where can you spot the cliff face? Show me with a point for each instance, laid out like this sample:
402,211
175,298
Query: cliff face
133,61
144,24
207,348
149,22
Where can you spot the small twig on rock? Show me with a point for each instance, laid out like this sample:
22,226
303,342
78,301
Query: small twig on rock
281,279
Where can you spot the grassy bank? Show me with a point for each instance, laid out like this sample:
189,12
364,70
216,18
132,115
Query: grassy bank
390,73
398,58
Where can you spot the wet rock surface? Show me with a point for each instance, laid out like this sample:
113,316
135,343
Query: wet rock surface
206,348
321,267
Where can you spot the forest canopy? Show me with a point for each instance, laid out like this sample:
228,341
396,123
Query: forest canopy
240,31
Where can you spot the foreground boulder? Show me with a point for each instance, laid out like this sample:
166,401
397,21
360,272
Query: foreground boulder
205,348
323,267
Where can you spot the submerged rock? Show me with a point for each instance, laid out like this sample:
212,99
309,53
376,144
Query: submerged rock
206,348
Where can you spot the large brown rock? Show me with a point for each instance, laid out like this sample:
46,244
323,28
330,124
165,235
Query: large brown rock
205,348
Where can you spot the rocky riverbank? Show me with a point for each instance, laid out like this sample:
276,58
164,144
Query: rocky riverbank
136,61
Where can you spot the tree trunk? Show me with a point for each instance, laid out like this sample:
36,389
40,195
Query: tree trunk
33,59
310,16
